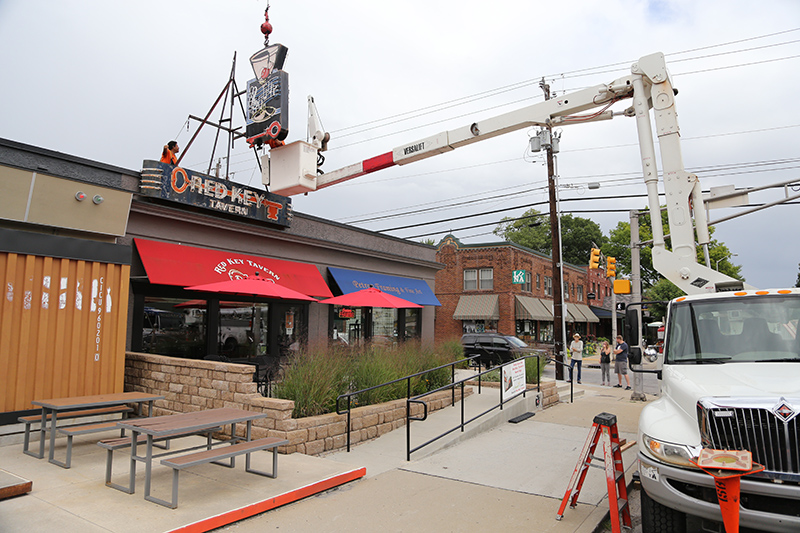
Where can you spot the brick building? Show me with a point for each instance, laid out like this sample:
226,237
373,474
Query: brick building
507,288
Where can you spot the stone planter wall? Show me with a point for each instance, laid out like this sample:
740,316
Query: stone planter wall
194,385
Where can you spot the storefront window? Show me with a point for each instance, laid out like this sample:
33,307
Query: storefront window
384,326
412,323
479,326
174,327
545,332
243,329
292,328
526,330
347,325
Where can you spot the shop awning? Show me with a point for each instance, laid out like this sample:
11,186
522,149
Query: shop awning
587,313
184,266
600,312
528,308
574,311
478,307
411,289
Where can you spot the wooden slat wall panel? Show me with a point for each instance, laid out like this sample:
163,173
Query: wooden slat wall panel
62,328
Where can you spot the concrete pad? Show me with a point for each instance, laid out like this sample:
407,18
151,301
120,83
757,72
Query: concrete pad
494,475
76,499
402,501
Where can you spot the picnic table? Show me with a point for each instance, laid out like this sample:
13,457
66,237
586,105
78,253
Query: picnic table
183,424
81,406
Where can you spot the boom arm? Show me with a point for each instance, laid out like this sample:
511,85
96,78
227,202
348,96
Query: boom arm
289,169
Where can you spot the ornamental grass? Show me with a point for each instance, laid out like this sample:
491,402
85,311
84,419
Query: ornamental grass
316,377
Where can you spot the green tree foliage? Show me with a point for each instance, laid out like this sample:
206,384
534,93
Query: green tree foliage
797,284
533,231
663,290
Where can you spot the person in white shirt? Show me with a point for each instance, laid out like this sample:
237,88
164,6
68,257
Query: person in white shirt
576,353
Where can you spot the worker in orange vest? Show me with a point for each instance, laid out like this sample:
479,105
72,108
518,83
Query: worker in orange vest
168,154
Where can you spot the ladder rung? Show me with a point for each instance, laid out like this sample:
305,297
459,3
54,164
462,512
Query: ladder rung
619,474
622,504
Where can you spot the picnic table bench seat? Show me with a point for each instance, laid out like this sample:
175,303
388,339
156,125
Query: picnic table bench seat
66,415
83,429
120,443
215,455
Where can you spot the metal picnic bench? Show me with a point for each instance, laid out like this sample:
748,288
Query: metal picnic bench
57,409
185,424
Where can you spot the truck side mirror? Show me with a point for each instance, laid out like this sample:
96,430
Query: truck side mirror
631,326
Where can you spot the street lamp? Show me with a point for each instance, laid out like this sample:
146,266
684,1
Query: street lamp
726,257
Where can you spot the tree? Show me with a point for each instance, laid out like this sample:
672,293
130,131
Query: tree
662,290
428,241
797,284
532,230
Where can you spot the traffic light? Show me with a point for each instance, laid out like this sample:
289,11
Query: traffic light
611,267
594,259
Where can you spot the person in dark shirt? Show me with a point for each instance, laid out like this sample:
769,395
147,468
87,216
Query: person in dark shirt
621,362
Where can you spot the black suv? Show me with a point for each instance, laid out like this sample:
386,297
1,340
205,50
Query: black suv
493,348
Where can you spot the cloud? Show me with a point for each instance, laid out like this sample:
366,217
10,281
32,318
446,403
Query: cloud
114,81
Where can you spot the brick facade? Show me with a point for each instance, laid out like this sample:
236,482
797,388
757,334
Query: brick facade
503,258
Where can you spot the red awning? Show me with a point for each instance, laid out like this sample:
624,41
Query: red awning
184,266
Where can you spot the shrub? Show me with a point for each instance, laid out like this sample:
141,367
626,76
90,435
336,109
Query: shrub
314,379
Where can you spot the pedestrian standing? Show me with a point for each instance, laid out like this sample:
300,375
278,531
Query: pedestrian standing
621,362
605,364
576,352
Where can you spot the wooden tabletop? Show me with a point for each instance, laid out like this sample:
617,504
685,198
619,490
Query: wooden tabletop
99,400
189,422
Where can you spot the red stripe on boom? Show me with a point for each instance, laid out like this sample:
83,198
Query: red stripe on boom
378,163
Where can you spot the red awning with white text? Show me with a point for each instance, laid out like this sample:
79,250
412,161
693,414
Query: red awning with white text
185,266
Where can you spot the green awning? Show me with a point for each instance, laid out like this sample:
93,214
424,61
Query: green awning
587,313
478,307
528,308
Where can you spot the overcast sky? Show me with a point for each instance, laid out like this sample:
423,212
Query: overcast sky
113,81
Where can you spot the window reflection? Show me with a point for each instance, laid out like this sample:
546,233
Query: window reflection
174,327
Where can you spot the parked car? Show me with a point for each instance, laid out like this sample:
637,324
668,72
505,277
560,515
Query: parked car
493,348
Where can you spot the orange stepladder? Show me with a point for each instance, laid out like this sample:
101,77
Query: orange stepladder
604,431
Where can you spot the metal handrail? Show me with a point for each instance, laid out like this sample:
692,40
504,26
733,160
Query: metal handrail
408,379
571,399
462,425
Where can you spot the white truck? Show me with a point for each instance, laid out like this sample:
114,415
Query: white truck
730,375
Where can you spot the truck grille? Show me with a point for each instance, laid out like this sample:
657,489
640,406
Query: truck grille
768,430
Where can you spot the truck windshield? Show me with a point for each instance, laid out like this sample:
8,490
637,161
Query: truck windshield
731,330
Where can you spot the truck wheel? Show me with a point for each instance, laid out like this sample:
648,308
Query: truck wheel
229,347
657,518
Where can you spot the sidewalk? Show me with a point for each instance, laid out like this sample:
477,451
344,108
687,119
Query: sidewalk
496,475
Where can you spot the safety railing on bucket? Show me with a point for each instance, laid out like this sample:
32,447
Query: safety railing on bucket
464,422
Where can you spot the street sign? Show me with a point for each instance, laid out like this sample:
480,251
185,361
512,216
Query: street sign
620,306
518,277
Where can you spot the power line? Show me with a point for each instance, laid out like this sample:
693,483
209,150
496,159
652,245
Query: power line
635,177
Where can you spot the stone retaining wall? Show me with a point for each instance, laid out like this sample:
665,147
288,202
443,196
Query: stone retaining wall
195,385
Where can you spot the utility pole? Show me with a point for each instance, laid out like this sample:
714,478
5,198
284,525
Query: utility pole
555,232
636,282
